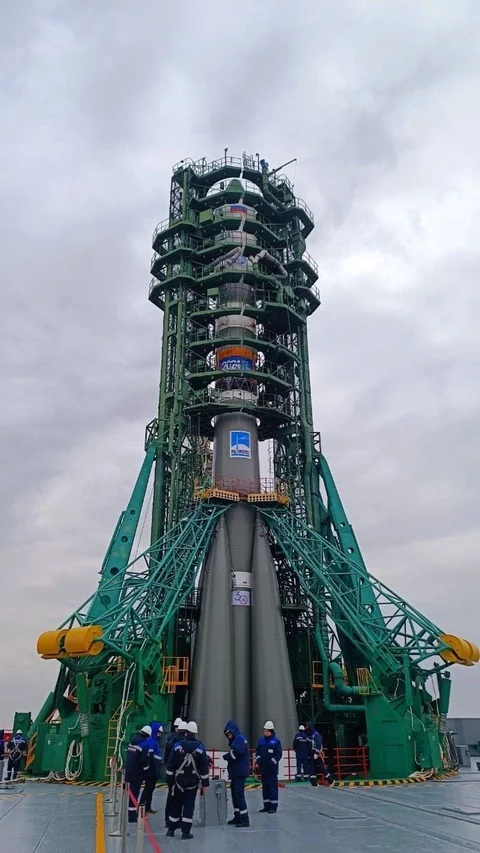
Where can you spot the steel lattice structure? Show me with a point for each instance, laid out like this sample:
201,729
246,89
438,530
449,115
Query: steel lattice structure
236,286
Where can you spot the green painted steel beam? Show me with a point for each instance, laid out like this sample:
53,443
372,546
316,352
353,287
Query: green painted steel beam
153,588
384,633
120,548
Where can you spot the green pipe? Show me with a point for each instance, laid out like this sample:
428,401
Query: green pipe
338,678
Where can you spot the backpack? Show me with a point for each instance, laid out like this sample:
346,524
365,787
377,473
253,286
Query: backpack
187,776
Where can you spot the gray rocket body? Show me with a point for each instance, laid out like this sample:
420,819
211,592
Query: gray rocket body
241,669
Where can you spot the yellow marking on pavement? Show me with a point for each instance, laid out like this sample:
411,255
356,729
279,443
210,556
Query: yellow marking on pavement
99,827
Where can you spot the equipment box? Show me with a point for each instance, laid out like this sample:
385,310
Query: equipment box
213,804
54,753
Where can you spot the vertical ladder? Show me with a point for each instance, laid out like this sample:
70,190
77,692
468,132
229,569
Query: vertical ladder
112,737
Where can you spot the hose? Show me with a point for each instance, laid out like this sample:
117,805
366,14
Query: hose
75,753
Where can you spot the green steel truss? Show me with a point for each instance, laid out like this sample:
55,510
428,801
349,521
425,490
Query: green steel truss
149,594
384,632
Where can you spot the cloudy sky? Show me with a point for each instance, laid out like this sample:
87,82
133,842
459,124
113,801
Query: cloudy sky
379,103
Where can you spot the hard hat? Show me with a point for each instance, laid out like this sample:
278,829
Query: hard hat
301,728
178,721
192,728
182,726
147,730
19,732
269,725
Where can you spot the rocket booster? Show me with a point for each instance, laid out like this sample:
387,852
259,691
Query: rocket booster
241,668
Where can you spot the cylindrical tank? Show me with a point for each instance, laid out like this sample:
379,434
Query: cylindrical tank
235,451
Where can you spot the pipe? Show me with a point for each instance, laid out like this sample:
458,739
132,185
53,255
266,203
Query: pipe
338,678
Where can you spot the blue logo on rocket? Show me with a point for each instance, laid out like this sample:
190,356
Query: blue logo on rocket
240,444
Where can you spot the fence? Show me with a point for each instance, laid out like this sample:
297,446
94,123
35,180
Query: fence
343,762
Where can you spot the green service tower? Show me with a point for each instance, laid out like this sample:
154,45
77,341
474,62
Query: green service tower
253,600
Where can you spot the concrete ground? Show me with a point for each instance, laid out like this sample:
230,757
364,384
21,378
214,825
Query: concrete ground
429,816
40,818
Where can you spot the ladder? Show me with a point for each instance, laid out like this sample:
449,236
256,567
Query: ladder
112,737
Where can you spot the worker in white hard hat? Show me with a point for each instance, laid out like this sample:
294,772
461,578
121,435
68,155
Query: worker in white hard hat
268,756
300,747
16,749
179,730
152,775
188,769
137,764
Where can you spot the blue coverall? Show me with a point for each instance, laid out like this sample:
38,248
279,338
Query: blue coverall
172,739
16,749
316,763
186,778
238,765
300,746
152,775
269,753
137,764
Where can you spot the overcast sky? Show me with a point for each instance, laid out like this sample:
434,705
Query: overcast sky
379,102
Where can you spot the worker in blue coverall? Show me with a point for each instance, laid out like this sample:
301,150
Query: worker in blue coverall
238,765
316,762
137,764
300,747
152,775
188,768
269,753
173,738
16,749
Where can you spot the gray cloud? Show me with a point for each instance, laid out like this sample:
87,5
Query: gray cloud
378,102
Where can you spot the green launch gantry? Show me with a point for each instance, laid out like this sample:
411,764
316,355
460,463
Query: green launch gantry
361,657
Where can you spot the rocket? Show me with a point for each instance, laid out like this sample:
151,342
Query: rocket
241,668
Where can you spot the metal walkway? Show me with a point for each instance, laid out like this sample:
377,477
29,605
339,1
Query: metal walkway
400,819
39,818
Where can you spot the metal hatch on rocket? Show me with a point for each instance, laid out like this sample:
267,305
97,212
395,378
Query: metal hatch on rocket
241,668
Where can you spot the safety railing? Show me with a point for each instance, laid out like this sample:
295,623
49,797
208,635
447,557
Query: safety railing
264,485
301,205
117,804
305,257
273,402
344,762
248,187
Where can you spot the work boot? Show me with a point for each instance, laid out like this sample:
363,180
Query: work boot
272,811
243,823
265,809
170,833
233,821
186,835
150,811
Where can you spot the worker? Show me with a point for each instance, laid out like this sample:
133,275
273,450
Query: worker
152,775
137,765
300,747
316,758
2,744
238,765
16,749
187,769
178,734
269,753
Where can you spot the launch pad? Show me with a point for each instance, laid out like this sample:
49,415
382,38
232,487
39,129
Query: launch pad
253,600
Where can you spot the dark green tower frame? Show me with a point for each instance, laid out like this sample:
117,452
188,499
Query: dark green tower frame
187,288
